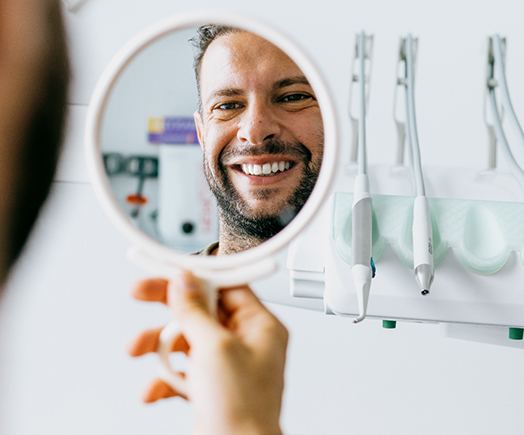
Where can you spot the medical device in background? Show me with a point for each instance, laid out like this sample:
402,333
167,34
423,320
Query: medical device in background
422,226
163,190
362,269
477,239
128,171
187,213
114,163
498,103
142,168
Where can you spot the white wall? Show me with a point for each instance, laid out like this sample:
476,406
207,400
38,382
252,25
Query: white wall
68,317
158,82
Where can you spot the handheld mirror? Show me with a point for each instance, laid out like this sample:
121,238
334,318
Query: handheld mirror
211,142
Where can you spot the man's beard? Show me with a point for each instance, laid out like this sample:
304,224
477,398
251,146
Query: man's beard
234,210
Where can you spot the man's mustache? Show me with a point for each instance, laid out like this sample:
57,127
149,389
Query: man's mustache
294,150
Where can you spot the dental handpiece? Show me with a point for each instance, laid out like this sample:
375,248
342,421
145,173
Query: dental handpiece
361,269
422,230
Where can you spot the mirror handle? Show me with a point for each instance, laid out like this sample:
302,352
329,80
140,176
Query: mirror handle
212,280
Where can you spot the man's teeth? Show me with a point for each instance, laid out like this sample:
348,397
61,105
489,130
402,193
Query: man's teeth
266,168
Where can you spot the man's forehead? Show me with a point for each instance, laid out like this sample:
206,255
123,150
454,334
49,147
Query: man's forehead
242,59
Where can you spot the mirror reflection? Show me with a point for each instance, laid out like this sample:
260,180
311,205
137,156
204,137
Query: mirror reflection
212,140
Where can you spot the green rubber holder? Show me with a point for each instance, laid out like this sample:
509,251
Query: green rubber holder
389,324
482,234
516,333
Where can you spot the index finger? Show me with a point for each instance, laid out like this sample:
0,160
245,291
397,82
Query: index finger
151,290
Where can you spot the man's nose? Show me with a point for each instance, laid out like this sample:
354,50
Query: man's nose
258,124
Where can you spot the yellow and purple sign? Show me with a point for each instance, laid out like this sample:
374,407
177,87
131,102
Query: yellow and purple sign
172,130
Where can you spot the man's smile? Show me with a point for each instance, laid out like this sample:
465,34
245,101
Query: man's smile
263,170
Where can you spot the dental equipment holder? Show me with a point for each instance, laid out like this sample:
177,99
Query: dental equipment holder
476,228
422,227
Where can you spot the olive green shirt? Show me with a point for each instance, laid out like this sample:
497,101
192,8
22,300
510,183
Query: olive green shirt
208,250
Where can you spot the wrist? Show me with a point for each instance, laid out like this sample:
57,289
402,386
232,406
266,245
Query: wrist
254,429
245,428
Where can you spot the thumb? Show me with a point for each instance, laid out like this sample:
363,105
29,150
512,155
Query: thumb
190,301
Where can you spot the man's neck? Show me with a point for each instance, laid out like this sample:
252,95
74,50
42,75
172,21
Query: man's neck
230,242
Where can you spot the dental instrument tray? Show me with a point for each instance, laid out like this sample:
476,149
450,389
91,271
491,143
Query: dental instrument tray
478,248
482,235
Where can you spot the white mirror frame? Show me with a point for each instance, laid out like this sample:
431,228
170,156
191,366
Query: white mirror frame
100,181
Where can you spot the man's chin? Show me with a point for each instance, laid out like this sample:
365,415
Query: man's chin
266,211
283,215
259,212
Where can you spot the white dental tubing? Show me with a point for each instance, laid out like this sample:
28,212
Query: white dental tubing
422,228
361,213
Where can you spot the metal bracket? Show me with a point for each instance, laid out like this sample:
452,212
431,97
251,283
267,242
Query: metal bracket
399,99
354,106
491,83
497,90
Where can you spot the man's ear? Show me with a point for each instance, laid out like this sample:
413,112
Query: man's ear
199,128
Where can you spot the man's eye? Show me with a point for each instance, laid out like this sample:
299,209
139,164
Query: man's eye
291,98
228,106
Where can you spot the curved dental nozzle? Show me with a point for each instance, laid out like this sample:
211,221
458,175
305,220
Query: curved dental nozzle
362,271
425,292
359,318
362,281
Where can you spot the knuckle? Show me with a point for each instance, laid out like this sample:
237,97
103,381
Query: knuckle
276,329
225,344
282,333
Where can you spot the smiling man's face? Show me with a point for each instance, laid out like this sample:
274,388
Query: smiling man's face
261,131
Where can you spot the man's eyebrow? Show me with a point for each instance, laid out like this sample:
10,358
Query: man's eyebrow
301,80
227,92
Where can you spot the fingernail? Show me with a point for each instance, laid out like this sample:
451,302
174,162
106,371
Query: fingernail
146,398
131,349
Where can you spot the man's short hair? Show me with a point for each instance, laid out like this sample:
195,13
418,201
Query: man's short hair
205,35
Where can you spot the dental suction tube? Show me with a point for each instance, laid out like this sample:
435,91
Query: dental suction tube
422,228
497,79
361,212
411,117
